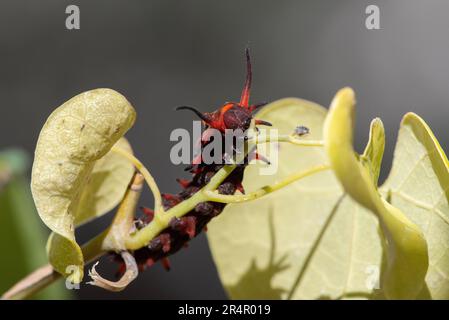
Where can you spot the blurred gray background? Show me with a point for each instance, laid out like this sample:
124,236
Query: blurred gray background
165,53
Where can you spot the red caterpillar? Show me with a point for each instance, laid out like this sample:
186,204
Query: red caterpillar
231,115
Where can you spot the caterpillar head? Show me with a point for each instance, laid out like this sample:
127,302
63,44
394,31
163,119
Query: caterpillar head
232,115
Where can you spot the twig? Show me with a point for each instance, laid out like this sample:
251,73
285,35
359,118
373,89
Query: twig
32,283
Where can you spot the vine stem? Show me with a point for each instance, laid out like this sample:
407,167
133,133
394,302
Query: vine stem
161,221
146,174
209,193
290,138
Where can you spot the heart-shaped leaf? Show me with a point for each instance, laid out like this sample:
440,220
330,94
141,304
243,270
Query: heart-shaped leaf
318,242
305,241
418,184
74,138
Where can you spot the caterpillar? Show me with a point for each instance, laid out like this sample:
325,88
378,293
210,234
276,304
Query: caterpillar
231,115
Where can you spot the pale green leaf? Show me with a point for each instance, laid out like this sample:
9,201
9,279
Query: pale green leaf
405,245
305,241
103,191
106,186
374,151
320,243
418,184
75,136
13,161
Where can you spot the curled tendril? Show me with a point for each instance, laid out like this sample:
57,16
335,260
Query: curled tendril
130,274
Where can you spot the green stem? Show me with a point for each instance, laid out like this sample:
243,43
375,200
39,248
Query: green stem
260,139
161,221
146,174
216,197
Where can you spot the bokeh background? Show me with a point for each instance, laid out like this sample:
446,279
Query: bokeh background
161,54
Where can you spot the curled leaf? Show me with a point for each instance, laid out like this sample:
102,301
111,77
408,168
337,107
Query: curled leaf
374,151
418,185
75,136
106,185
130,274
406,247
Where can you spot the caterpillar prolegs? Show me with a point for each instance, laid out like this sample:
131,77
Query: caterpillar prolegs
232,115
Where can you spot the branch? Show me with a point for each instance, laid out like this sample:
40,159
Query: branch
46,275
146,174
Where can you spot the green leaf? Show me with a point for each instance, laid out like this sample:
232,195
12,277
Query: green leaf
405,245
22,238
75,136
321,243
102,192
305,241
418,185
106,185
